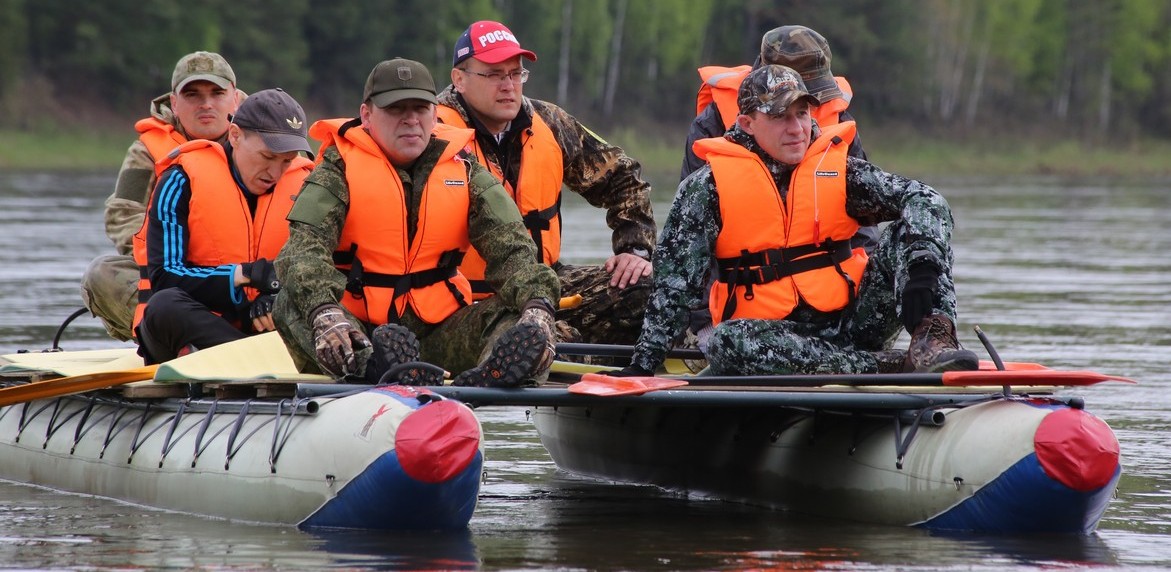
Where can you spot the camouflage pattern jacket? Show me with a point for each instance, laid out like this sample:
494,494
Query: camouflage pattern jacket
603,174
495,229
687,242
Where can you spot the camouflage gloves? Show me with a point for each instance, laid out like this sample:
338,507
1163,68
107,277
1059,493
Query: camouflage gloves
539,312
336,341
919,293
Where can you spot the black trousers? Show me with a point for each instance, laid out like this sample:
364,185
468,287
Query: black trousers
174,320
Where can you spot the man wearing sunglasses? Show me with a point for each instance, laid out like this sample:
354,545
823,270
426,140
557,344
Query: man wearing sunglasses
535,148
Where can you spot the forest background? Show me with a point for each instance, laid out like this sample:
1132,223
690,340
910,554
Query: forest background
1060,87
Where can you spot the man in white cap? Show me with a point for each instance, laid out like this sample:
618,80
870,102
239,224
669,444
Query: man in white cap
216,219
535,148
203,94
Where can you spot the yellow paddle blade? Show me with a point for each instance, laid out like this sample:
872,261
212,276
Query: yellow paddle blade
72,384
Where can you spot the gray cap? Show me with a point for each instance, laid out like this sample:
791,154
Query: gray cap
807,52
202,66
771,90
394,80
278,118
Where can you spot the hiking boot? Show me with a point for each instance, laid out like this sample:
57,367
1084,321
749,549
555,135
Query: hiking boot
891,361
520,354
934,348
394,345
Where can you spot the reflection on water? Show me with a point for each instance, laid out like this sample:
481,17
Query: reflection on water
1074,277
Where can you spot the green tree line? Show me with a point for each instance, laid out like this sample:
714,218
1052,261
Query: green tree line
1096,71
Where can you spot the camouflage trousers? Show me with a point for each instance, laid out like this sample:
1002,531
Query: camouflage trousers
457,344
607,314
812,342
109,289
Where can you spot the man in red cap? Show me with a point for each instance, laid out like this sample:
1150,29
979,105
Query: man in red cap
535,148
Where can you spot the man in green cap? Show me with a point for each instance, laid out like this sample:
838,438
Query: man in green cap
370,272
774,209
203,94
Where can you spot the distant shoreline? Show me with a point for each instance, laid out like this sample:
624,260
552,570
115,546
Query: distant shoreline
929,159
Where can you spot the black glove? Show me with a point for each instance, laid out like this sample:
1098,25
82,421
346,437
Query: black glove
261,306
919,294
262,276
336,341
631,371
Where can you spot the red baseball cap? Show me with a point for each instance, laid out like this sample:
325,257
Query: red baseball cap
489,42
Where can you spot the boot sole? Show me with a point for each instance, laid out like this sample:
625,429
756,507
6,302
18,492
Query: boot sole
511,362
957,360
401,346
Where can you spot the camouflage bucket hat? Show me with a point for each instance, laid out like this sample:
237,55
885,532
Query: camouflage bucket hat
771,89
807,52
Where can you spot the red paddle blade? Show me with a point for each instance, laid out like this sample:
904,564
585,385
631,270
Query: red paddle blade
1028,377
988,365
605,386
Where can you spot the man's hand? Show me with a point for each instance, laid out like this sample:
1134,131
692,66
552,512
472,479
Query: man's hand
261,275
336,341
626,269
261,313
540,312
919,294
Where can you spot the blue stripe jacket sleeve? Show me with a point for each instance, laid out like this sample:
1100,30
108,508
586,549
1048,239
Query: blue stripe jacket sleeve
167,239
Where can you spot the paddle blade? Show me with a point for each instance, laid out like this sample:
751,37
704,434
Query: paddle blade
73,384
607,386
1040,377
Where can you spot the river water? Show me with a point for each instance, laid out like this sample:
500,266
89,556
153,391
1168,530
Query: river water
1073,276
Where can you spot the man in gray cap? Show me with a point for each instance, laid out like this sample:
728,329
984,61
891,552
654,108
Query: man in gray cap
370,273
216,219
203,94
774,208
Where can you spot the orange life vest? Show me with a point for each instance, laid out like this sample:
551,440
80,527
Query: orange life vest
829,113
773,253
160,139
386,273
218,216
721,85
538,195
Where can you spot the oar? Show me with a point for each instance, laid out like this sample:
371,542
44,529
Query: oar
73,384
606,385
616,350
619,350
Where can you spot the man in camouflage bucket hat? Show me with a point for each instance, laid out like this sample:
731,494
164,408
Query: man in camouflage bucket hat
370,278
807,52
536,148
797,47
774,209
203,94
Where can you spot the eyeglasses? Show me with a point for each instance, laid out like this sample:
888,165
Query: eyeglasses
521,75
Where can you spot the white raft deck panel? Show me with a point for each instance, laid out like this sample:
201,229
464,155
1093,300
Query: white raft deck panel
380,458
